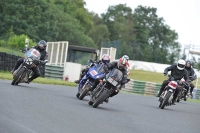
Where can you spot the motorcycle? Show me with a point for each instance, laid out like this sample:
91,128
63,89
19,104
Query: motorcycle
182,91
107,86
23,72
168,93
87,81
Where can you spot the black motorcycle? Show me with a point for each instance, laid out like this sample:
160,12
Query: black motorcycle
31,60
111,83
182,91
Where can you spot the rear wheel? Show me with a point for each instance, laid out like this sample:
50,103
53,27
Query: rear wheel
165,101
90,102
18,75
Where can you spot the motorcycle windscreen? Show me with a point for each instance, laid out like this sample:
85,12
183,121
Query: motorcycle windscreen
99,68
96,70
114,76
33,53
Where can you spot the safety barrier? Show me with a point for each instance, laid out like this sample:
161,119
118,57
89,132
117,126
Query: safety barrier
55,72
7,61
147,88
198,94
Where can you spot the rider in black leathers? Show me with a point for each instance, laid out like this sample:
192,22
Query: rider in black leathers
178,71
192,77
121,65
41,47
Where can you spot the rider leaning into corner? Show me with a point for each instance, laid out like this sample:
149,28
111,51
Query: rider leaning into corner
178,72
104,60
121,64
41,47
192,77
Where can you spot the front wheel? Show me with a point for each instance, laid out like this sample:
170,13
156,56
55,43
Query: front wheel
100,99
165,101
18,75
83,94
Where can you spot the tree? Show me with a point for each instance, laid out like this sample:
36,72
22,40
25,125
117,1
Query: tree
116,18
99,32
41,20
151,32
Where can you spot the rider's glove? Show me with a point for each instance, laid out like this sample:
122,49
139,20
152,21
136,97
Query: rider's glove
187,84
43,62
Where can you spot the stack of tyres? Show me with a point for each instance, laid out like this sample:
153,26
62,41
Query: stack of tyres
139,87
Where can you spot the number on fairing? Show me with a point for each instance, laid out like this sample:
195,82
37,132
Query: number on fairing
93,73
173,84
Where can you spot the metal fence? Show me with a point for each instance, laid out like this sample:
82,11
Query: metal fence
7,62
148,88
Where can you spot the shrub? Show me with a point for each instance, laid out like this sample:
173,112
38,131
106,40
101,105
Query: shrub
18,42
2,43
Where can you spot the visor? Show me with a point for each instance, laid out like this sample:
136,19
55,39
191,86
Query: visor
181,66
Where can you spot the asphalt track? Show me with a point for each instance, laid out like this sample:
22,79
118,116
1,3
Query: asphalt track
39,108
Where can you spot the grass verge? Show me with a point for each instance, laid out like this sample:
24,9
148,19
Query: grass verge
10,51
8,76
189,99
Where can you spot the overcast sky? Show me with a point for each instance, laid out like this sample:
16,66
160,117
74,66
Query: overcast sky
183,16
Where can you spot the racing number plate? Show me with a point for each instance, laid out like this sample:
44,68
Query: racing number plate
112,81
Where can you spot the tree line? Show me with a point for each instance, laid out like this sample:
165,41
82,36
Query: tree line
143,35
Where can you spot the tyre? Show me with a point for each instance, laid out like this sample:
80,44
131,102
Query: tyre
83,94
84,91
160,104
178,100
77,95
18,76
100,99
165,101
90,102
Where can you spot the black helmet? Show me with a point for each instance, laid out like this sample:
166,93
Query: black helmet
188,62
42,44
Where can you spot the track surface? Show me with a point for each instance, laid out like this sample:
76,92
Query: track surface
39,108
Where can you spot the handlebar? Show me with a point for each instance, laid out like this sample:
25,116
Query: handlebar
91,61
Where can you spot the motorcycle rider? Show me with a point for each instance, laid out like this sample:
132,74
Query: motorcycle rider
104,60
178,71
121,64
127,65
41,47
192,77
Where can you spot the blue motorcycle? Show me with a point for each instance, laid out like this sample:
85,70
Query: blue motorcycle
87,81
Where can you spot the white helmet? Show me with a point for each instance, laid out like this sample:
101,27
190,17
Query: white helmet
126,57
181,64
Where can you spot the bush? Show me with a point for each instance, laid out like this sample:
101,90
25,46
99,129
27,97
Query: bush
18,42
2,43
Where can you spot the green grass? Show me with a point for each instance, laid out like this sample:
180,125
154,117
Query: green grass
147,76
150,76
11,51
193,100
8,76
